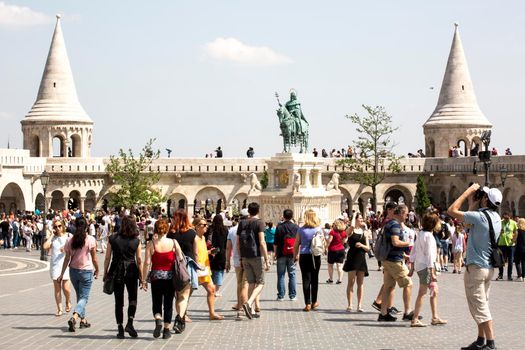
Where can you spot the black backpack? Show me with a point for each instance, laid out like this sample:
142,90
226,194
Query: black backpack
247,240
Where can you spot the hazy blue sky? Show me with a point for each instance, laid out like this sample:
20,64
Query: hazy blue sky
165,69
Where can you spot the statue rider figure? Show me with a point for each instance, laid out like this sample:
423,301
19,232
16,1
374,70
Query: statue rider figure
294,108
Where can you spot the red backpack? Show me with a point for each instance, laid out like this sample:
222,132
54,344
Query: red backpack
288,246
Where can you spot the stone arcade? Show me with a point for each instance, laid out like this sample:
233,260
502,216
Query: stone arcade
295,181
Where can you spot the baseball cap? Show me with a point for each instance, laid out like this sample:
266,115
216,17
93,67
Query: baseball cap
495,196
244,212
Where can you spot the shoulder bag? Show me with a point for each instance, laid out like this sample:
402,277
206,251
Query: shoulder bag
181,277
496,255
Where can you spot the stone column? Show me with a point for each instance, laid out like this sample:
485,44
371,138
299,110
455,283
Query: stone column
307,182
190,208
81,204
66,200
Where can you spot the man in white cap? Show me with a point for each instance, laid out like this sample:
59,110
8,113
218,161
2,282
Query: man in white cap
483,206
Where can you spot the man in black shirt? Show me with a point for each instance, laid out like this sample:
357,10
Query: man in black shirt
5,227
283,246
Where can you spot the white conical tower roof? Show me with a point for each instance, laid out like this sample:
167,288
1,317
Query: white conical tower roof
457,105
57,98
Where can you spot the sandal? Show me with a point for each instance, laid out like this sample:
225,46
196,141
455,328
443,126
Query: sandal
349,309
216,318
71,323
84,324
438,321
417,323
59,313
68,307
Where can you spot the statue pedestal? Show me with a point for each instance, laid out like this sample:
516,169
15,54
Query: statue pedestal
294,182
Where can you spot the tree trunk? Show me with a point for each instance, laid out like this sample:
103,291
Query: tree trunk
374,199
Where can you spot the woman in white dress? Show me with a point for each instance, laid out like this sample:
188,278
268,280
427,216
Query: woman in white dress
56,242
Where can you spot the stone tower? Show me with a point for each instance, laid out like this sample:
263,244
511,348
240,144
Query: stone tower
57,113
457,119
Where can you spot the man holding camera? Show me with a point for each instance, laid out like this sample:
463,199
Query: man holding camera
483,206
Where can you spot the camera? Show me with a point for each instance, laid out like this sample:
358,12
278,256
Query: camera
478,195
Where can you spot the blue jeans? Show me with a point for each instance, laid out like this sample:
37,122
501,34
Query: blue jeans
285,264
81,281
217,277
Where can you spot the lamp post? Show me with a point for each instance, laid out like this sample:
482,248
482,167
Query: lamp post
484,156
44,179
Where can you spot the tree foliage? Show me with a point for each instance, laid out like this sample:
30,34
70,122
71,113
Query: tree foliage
423,201
134,178
264,180
373,154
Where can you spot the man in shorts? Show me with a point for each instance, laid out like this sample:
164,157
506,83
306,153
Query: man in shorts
231,246
252,250
479,270
394,268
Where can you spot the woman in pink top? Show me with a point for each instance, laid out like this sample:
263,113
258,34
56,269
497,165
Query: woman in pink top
81,257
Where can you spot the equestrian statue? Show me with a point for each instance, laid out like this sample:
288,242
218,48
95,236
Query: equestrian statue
294,127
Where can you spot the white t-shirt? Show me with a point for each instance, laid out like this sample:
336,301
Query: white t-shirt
232,237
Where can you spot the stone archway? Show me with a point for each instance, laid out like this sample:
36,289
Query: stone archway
75,148
364,202
346,201
210,200
463,147
40,202
59,146
431,148
57,200
505,205
90,203
74,200
35,146
239,202
521,207
453,194
178,201
398,194
12,198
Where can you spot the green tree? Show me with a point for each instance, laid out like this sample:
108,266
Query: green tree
264,179
423,201
134,178
373,157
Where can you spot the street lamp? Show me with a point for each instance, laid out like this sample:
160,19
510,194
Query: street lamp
44,179
503,172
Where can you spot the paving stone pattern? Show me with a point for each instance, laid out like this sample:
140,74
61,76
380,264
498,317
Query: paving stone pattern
28,321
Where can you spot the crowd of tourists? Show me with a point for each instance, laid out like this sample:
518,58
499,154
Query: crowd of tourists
406,246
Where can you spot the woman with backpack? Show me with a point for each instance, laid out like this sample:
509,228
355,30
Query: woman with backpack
125,254
309,246
81,258
355,263
336,250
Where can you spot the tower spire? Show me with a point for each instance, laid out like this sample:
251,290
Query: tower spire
57,96
457,102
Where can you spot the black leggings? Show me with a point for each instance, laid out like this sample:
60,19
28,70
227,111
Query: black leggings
310,277
132,287
162,293
519,259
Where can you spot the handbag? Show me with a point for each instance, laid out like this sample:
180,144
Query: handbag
109,285
204,272
496,257
181,277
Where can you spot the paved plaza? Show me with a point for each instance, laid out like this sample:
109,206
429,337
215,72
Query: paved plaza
28,322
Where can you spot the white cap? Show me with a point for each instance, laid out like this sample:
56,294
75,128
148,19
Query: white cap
244,212
495,196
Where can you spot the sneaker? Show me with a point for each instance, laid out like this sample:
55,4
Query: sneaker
393,310
329,281
256,315
500,278
486,347
376,306
293,298
247,310
410,316
166,334
279,299
519,279
386,318
473,346
338,282
510,279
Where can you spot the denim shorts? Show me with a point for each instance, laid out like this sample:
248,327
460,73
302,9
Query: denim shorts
217,277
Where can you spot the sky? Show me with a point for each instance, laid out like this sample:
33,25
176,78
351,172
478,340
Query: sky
200,74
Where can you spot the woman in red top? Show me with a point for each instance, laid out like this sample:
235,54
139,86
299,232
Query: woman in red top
160,257
336,250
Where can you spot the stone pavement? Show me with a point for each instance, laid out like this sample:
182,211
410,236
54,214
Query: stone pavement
28,322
